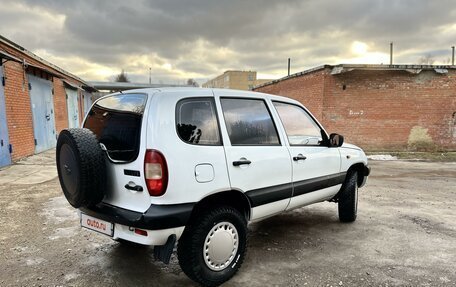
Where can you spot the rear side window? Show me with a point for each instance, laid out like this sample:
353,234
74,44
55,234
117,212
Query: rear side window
249,122
116,121
196,121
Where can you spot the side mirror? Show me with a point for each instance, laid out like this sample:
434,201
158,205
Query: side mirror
336,140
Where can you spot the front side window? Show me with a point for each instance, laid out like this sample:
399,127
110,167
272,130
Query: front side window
301,129
249,122
116,122
196,121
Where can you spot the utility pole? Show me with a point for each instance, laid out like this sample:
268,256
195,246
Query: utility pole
150,76
391,53
289,66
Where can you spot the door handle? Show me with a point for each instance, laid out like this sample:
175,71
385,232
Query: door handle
241,162
133,186
48,117
299,157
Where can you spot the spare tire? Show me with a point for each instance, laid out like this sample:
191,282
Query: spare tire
81,167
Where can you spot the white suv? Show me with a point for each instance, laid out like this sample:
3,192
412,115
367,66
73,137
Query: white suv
156,166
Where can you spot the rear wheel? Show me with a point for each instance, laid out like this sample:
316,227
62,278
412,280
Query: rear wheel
212,247
348,198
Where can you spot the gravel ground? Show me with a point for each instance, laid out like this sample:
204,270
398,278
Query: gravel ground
405,235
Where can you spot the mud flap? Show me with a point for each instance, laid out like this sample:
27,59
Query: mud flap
163,252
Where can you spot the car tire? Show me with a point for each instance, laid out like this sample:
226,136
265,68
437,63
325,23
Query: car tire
212,247
348,198
81,167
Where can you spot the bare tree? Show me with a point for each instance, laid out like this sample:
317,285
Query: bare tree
427,59
191,82
122,77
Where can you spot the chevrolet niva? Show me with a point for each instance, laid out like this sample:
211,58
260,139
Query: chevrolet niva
195,166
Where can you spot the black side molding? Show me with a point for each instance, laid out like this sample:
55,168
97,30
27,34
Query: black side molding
283,191
155,218
269,194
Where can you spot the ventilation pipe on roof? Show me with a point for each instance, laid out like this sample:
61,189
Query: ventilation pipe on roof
289,66
391,53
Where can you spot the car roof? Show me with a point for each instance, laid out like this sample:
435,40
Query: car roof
218,92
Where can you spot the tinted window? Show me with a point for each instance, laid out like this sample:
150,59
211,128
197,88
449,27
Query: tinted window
249,122
301,129
196,121
116,121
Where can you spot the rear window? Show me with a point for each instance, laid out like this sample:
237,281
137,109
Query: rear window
116,121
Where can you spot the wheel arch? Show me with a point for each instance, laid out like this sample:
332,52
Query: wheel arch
233,198
359,168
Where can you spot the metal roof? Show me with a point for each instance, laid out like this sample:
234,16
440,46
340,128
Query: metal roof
7,56
344,68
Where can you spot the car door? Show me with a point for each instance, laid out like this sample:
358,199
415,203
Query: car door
258,163
316,167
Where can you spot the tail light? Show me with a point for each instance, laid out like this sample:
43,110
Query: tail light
155,172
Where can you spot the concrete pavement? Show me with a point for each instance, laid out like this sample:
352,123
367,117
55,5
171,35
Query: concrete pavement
35,169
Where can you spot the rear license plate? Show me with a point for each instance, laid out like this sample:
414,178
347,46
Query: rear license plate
96,224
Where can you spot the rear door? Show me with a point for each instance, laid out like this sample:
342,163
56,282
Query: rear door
42,102
5,158
258,163
316,167
117,121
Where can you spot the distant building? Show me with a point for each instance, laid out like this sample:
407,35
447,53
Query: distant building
379,107
237,80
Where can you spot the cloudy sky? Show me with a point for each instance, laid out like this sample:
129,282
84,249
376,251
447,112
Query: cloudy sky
200,39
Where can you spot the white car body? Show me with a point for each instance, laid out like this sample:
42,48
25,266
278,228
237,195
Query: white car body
196,172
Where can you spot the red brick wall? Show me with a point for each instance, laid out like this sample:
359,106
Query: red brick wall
307,89
18,111
378,109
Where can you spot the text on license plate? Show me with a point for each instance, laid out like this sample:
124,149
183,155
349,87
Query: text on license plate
96,224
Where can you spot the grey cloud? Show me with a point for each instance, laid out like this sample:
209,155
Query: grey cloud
257,32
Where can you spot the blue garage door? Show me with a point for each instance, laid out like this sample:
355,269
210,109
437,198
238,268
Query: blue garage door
72,106
43,113
5,157
87,102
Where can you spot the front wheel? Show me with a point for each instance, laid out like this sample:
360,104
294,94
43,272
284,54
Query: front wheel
212,247
348,198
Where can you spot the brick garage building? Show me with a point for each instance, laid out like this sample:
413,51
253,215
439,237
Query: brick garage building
37,101
379,107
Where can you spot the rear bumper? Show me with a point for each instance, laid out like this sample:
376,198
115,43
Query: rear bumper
157,217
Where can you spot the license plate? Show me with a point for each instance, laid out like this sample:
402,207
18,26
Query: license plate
96,224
